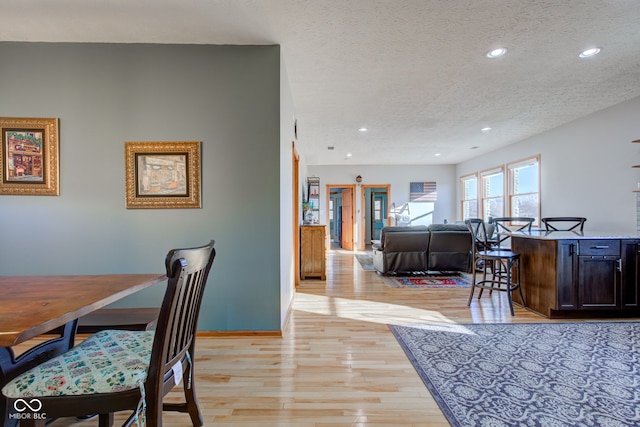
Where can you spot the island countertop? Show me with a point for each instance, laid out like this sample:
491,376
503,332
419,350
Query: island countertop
573,235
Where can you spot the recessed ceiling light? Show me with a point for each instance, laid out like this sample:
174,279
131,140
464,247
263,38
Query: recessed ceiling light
496,53
589,52
362,129
349,155
437,154
486,129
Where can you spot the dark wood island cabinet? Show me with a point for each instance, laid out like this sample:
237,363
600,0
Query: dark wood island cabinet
567,274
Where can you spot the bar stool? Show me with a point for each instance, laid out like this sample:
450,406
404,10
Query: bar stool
483,251
504,227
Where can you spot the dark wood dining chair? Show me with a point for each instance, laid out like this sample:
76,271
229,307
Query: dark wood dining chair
118,370
564,223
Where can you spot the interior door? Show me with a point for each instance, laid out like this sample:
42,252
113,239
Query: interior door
378,213
346,235
374,213
335,221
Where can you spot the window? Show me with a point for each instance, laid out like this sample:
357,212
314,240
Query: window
469,191
492,193
524,188
377,210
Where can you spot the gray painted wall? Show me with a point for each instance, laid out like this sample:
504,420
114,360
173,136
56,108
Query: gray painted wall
106,94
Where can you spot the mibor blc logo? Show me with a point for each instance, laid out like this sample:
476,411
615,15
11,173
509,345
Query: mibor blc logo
27,409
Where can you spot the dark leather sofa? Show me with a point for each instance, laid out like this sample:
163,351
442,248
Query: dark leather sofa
438,247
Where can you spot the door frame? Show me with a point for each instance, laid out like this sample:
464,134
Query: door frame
363,187
296,214
353,202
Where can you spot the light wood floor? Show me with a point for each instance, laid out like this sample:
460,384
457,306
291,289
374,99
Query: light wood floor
337,363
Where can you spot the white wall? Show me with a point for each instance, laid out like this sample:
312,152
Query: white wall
398,177
585,167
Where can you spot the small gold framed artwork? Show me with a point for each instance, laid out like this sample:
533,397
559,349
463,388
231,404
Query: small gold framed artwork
162,175
30,156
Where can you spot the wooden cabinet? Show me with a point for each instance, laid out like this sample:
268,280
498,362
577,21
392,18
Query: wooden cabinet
598,279
588,273
312,251
566,272
629,283
564,277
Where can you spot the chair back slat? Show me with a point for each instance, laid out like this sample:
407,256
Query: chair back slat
564,223
187,272
478,230
508,224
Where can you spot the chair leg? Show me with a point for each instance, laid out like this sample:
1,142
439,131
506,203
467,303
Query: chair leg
484,276
192,401
105,420
473,282
497,274
493,275
154,413
130,420
509,296
473,287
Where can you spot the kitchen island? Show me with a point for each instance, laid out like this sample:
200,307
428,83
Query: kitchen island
579,275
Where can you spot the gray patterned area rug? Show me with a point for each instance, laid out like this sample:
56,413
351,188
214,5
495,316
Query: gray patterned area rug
550,374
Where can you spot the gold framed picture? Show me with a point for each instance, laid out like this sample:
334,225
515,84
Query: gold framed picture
162,175
30,156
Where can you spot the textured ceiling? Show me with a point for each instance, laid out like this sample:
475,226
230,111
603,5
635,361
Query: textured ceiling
413,72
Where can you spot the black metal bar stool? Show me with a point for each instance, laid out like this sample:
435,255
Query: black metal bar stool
484,253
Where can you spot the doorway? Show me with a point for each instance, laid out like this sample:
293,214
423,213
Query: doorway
340,215
374,212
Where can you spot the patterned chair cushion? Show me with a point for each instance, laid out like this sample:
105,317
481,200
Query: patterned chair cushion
107,361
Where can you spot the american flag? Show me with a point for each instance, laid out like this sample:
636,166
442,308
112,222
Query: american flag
422,192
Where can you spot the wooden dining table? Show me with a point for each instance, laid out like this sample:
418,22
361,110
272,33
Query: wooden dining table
33,305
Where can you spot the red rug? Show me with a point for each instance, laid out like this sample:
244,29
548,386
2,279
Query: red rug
427,281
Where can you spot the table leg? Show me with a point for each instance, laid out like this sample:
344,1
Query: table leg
11,366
